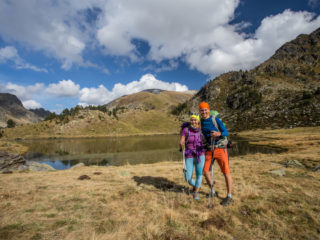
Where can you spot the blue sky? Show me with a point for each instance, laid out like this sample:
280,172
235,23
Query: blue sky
57,54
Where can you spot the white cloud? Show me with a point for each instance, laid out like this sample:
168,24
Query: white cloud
25,94
199,32
164,67
31,104
96,66
54,27
101,95
65,88
171,28
238,52
95,96
10,53
22,92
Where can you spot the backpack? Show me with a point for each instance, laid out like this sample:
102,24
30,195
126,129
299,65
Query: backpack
224,142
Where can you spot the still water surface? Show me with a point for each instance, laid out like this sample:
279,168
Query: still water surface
64,153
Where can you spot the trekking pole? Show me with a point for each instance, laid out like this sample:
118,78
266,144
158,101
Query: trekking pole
183,174
211,195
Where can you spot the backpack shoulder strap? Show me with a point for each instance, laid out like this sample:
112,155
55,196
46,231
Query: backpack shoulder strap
214,121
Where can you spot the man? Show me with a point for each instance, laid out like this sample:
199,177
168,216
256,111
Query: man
210,131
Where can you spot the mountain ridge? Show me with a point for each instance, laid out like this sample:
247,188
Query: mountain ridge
12,108
283,91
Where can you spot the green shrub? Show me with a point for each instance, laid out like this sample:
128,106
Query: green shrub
114,112
180,108
50,117
11,123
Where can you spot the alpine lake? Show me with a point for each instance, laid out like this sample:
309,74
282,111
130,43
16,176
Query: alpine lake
116,151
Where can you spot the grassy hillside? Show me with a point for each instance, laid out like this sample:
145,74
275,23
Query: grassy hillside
144,201
142,113
93,123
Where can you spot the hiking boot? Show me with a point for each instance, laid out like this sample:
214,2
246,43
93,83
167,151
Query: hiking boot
212,193
196,196
226,201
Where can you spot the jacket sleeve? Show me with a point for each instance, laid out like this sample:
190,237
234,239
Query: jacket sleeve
222,128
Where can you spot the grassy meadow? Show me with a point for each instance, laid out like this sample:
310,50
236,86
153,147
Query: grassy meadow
145,201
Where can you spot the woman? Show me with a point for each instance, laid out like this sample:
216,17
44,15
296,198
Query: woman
191,141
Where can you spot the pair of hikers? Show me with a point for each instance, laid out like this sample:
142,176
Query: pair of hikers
195,140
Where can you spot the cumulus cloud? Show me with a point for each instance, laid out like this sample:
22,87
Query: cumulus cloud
24,93
245,53
65,88
198,32
31,104
10,54
170,27
171,65
95,96
54,27
101,95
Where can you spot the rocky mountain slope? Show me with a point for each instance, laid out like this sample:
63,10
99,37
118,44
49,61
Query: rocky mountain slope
41,112
12,108
284,91
146,112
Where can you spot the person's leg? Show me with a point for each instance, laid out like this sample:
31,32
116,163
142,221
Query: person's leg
221,155
199,168
206,168
189,170
228,179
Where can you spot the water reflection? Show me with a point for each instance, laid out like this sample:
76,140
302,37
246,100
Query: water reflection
64,153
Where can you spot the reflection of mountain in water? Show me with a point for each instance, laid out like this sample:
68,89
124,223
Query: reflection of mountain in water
63,154
242,147
101,145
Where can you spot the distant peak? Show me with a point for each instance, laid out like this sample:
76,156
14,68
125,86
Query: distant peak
153,90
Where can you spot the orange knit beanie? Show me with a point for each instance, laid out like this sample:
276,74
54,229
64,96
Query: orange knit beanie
204,105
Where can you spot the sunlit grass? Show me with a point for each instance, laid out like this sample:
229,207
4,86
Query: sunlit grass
144,201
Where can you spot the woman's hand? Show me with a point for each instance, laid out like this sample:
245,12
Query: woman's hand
215,134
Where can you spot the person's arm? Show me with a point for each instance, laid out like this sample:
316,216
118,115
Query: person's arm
182,142
222,128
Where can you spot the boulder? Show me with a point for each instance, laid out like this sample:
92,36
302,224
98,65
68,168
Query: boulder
10,162
294,163
36,166
15,162
316,169
78,165
278,172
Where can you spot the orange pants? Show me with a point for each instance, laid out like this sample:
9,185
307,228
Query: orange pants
221,155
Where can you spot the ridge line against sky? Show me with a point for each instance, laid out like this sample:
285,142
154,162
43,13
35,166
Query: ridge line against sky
57,54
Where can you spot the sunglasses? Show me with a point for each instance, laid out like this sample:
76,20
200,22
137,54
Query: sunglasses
190,114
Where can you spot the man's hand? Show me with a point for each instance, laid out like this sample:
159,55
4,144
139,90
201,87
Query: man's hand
215,134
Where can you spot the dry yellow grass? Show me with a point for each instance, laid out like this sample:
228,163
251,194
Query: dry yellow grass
12,147
144,201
